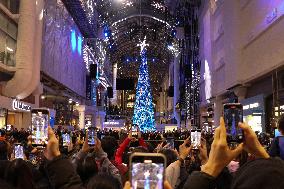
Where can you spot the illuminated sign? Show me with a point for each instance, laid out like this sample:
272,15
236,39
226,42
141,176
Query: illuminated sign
251,106
111,123
18,105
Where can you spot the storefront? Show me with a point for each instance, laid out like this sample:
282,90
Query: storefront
14,113
3,116
254,112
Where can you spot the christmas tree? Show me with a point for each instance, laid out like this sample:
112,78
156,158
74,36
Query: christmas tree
143,110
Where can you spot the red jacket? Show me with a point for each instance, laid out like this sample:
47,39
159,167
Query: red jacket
123,146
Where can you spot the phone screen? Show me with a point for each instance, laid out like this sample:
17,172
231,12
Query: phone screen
19,151
92,136
195,137
40,121
277,133
171,142
66,139
233,114
102,136
147,172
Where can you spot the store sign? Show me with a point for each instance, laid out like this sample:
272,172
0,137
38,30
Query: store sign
251,106
18,105
111,123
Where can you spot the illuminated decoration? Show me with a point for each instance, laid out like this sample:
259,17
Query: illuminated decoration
128,4
173,47
207,78
143,110
79,47
158,6
88,6
94,92
154,18
73,40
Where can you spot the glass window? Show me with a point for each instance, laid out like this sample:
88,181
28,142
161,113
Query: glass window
3,22
10,51
7,49
12,30
4,2
3,113
8,26
12,5
2,46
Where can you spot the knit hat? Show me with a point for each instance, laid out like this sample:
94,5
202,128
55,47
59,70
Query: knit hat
260,174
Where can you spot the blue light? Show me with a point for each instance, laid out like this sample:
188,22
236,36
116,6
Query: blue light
153,59
80,45
174,32
143,109
127,60
73,40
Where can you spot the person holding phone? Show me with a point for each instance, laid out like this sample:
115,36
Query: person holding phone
122,147
254,174
105,164
174,169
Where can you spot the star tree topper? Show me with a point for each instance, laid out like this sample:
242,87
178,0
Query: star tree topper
142,45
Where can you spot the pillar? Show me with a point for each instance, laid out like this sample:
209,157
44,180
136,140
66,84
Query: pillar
218,108
176,88
81,109
37,94
240,92
114,100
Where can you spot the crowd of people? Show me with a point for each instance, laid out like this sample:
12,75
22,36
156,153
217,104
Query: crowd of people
215,164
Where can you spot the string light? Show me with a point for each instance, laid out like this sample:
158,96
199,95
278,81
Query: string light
143,109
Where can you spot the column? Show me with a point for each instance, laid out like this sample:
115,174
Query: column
176,88
114,100
218,108
37,94
161,102
240,92
81,109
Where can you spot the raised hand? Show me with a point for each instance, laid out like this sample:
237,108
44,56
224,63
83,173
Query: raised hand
184,150
220,154
251,143
52,148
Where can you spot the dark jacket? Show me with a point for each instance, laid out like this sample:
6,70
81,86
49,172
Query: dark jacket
277,148
257,174
62,175
200,180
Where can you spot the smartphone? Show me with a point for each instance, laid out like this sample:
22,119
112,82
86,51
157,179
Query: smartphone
195,138
233,114
66,139
19,151
40,121
147,170
102,136
277,133
92,135
171,142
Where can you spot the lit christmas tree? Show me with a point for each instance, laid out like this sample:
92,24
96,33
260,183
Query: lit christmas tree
143,109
